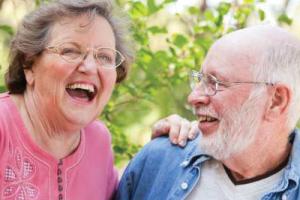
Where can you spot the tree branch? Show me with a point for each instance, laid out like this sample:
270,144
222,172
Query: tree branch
1,3
203,6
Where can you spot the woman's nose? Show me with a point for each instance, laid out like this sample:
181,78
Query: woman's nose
89,63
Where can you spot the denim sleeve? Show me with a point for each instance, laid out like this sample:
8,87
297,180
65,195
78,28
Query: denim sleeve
152,172
130,178
125,187
142,171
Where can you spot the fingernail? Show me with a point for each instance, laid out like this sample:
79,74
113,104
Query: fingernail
192,136
182,143
174,141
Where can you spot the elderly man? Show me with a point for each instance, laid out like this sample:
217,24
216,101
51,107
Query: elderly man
247,100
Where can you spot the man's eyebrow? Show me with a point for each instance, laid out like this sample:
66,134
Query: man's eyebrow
218,76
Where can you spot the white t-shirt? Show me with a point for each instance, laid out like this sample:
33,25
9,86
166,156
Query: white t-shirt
214,184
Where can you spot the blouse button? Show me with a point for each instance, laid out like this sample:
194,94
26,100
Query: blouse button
59,179
60,188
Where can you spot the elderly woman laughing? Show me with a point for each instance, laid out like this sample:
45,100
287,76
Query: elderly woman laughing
65,60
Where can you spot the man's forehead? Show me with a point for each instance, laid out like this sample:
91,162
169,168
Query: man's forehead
227,62
240,51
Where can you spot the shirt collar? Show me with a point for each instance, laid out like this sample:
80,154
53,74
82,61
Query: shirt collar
293,166
196,156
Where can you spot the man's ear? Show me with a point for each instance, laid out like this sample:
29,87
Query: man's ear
279,102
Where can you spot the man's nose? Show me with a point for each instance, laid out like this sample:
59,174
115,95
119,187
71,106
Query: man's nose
198,96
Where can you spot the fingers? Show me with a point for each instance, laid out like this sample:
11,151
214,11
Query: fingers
175,126
161,127
179,129
168,126
185,127
194,130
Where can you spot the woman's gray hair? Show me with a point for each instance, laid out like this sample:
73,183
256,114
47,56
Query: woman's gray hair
34,33
281,64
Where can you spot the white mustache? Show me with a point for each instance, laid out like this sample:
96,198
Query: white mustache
205,111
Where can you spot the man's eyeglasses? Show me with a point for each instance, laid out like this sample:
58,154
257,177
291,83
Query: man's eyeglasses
73,53
210,85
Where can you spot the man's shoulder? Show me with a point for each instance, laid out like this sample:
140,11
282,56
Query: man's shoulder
163,144
161,150
153,171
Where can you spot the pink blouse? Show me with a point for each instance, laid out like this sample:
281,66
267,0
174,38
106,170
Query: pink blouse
29,173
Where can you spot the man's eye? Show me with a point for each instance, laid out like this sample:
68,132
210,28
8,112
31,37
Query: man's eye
222,86
210,81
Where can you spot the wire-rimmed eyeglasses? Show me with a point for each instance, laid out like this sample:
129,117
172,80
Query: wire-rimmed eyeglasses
74,53
210,85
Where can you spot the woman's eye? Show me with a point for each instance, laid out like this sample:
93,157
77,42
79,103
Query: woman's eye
66,51
70,53
103,58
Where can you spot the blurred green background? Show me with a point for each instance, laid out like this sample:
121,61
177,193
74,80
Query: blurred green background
171,38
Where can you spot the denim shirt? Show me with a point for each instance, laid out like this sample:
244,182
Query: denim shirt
162,171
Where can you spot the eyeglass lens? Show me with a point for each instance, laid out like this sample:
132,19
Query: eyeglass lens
206,84
105,56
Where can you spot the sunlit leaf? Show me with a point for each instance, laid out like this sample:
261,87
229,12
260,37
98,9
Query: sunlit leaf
223,8
169,1
193,10
157,29
37,2
138,10
180,40
261,14
249,1
209,15
152,7
7,29
283,18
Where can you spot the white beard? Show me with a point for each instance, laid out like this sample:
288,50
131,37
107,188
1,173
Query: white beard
237,129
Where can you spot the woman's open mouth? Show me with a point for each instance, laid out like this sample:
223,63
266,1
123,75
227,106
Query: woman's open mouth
82,91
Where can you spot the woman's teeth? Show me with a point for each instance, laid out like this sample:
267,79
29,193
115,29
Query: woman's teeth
88,87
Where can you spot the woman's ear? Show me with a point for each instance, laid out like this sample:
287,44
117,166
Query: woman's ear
29,76
28,68
279,102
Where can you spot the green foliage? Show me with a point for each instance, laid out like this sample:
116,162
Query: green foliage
7,29
39,2
284,19
2,88
158,82
261,14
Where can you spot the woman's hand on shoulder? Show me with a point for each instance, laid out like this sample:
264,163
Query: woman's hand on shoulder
178,128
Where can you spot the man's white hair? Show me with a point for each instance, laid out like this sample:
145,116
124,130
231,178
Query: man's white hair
280,63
